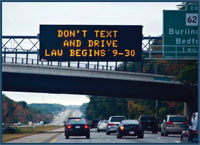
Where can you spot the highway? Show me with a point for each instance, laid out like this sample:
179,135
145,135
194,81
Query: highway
57,136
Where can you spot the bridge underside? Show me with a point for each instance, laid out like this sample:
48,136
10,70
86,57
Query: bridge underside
93,86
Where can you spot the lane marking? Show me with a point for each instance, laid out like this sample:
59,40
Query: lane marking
53,141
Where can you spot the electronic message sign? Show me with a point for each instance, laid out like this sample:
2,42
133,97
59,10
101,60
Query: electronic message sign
180,29
90,43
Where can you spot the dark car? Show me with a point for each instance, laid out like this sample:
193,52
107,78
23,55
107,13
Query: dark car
94,123
190,135
130,128
149,123
77,127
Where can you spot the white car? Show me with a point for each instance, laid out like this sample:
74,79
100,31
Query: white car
113,123
102,125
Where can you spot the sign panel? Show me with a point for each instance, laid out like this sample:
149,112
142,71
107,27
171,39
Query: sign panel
180,30
90,43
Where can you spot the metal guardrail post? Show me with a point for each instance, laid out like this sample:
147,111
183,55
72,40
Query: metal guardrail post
110,67
22,60
48,63
68,63
32,61
106,65
78,64
149,43
12,59
16,56
88,66
5,55
116,66
97,64
27,57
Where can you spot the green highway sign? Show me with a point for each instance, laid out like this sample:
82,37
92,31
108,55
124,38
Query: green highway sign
180,32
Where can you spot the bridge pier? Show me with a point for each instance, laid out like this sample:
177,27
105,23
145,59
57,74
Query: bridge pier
190,107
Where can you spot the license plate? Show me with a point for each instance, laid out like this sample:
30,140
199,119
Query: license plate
77,127
131,132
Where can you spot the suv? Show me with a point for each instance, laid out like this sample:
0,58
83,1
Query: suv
113,123
173,124
149,123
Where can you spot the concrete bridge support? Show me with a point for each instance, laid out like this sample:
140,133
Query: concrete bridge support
190,107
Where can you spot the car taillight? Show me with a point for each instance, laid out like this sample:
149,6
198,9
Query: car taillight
186,123
122,127
196,132
86,126
169,122
69,126
111,124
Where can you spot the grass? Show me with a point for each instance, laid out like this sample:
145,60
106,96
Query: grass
26,131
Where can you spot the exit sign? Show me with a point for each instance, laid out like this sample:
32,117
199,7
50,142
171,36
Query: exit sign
180,33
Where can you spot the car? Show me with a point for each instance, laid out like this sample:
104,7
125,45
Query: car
190,135
173,124
94,123
130,128
149,123
77,127
113,123
102,125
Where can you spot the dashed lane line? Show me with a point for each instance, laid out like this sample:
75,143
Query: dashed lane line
53,141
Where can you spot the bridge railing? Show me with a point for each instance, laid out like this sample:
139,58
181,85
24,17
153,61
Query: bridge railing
30,61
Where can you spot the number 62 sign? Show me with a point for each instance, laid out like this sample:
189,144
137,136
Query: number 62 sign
191,19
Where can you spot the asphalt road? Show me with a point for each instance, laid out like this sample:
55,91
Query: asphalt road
57,136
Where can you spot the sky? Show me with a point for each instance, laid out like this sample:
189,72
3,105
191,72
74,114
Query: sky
24,19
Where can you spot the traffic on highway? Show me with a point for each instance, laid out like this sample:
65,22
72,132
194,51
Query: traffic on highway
117,129
114,73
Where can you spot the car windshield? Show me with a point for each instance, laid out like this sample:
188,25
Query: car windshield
130,122
147,118
77,121
117,119
177,119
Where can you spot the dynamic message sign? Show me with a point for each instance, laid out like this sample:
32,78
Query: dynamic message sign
90,43
180,29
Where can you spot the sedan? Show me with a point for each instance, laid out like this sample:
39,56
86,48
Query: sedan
130,128
77,127
102,125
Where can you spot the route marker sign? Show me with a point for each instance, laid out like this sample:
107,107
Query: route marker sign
180,33
90,43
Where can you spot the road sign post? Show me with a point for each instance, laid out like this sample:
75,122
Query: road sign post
180,30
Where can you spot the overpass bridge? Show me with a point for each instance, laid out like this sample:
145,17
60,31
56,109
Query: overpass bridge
67,80
23,71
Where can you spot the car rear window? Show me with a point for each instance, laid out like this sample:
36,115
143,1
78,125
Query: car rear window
77,121
177,119
147,118
130,122
117,119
